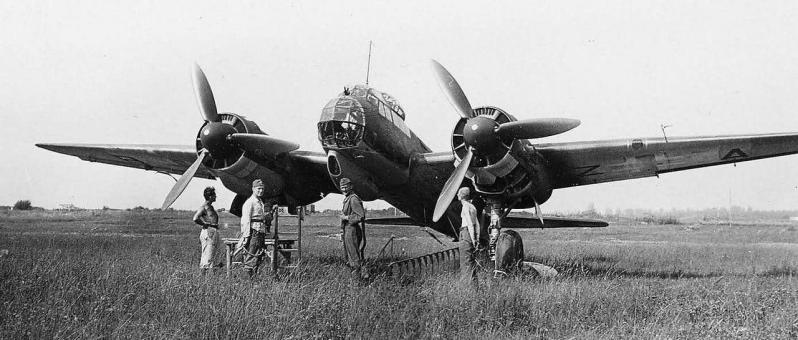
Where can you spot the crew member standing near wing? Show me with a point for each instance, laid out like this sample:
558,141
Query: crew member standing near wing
469,236
353,215
256,219
210,241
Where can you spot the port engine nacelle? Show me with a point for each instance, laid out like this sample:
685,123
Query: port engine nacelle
230,163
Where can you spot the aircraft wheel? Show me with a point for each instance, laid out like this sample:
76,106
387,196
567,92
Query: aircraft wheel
509,253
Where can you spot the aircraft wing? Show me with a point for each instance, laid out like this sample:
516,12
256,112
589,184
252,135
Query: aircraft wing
430,171
173,159
582,163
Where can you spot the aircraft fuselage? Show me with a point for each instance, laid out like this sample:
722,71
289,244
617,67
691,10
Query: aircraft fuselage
366,140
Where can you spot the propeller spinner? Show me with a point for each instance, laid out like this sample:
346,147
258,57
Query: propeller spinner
483,135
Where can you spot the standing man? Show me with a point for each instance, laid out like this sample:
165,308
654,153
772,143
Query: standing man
210,241
353,215
256,219
469,236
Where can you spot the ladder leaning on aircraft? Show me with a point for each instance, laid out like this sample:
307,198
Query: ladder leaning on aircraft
285,244
365,138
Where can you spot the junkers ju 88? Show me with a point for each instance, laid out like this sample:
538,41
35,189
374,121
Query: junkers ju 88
365,138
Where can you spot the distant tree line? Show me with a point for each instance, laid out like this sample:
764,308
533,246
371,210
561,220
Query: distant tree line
23,205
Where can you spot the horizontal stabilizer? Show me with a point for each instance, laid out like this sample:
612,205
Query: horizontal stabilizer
511,222
392,221
551,222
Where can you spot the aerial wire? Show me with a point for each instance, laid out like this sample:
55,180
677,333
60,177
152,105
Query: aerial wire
368,65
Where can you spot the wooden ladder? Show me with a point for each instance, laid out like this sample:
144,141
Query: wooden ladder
288,246
285,246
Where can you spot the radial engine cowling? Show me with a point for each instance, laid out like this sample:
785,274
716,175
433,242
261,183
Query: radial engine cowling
229,162
494,170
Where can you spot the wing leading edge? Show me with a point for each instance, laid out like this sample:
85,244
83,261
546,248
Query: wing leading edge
171,159
582,163
309,170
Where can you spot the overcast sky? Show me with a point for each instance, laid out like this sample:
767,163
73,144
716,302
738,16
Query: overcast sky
120,72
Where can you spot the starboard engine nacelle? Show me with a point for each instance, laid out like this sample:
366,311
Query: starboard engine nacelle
491,148
500,165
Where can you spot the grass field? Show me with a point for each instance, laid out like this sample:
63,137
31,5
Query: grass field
133,274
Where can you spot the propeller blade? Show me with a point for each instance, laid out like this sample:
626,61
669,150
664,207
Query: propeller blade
451,186
536,128
182,183
538,212
262,145
452,90
202,90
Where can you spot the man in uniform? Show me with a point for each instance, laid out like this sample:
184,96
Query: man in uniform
256,219
210,241
353,215
469,236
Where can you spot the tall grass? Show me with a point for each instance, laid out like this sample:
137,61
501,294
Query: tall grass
122,275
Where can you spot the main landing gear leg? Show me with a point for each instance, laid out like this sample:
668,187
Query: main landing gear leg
506,246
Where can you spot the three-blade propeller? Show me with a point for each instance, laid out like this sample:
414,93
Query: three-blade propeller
483,135
219,139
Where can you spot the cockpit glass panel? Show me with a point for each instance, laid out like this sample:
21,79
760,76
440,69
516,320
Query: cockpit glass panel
344,108
375,96
340,134
393,104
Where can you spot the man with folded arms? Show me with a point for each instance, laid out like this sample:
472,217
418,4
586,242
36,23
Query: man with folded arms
210,241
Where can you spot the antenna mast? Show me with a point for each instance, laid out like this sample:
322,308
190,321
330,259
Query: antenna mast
663,127
368,66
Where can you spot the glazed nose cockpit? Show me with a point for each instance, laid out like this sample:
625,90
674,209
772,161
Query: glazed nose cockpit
342,123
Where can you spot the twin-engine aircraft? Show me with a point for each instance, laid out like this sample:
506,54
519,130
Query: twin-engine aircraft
365,138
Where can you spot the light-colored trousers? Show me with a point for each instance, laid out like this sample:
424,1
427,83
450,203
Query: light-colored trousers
212,248
468,265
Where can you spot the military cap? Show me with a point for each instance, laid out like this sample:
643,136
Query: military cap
463,193
258,183
345,181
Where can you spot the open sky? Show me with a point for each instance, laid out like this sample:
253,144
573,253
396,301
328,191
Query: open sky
120,72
